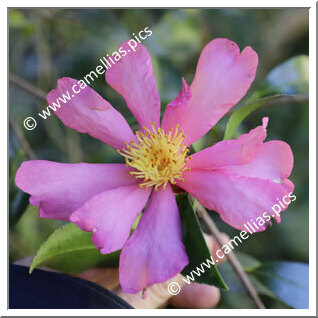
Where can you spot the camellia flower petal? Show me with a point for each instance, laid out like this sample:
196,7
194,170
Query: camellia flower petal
222,78
239,179
58,189
90,113
237,199
155,251
132,77
230,152
111,230
274,161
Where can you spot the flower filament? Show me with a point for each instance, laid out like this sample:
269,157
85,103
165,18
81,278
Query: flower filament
157,157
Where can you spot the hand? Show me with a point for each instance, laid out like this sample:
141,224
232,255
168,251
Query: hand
191,296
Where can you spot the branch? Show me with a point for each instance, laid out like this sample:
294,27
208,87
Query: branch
202,212
15,80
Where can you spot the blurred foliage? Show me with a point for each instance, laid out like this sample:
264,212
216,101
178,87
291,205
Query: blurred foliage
46,44
285,282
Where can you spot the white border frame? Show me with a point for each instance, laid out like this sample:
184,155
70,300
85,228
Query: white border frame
312,161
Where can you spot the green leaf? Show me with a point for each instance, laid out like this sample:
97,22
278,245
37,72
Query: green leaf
196,247
238,116
31,232
289,281
71,250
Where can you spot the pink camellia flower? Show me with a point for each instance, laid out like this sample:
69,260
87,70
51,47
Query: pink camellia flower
239,179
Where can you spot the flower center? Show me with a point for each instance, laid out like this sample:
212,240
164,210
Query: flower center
157,157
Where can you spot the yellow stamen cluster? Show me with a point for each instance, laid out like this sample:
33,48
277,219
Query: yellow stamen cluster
157,157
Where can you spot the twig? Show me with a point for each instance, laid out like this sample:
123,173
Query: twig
231,256
27,87
288,99
40,94
24,143
283,99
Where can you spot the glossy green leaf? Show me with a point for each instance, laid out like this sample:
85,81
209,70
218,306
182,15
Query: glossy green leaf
238,116
71,250
196,247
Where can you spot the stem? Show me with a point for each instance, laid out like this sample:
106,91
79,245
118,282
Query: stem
237,267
